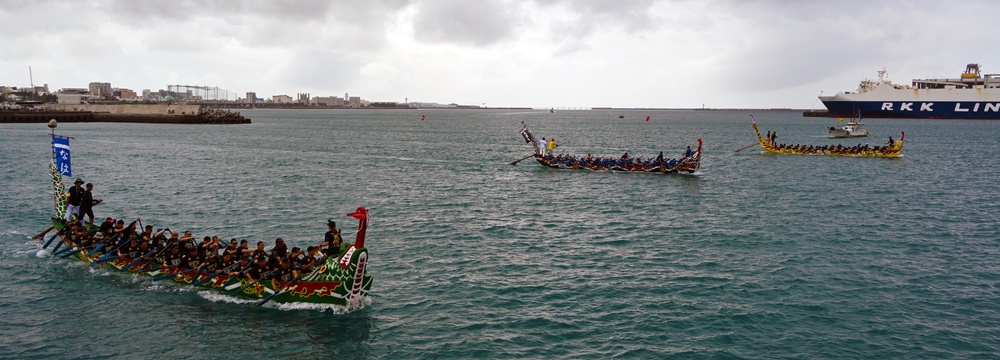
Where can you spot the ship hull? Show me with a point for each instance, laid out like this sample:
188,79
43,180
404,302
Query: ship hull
982,110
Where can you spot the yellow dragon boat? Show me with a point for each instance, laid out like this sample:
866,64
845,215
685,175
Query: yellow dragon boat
890,149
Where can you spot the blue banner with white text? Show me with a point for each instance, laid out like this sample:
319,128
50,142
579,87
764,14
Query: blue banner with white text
60,155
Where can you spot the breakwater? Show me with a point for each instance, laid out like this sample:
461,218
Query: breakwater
122,113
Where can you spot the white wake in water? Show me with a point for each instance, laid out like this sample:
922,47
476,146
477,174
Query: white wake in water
336,309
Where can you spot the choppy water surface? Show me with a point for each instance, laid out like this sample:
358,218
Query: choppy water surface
759,256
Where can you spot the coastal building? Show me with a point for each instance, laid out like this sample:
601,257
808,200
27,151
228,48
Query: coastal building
354,101
251,97
37,90
303,98
101,90
281,99
73,96
125,94
146,95
327,101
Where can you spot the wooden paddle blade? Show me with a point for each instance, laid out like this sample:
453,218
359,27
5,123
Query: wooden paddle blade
519,160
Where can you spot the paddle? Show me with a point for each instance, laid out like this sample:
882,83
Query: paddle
209,277
165,247
197,274
253,282
55,249
136,261
71,253
107,255
96,248
50,241
276,293
519,160
237,277
743,148
63,251
205,279
167,276
74,252
42,234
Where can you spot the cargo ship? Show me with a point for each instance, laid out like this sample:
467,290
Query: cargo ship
971,96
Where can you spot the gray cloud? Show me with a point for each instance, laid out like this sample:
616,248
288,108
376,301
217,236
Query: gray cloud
478,23
791,45
504,52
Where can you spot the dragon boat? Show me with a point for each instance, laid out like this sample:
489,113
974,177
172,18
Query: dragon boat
685,165
339,281
894,148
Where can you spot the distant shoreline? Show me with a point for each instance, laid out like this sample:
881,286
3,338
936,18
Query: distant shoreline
28,116
307,107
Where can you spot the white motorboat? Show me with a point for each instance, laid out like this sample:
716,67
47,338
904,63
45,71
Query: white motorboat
852,129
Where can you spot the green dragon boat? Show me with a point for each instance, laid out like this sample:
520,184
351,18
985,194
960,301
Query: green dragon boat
339,281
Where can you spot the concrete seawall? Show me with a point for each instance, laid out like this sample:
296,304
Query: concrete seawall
135,113
130,109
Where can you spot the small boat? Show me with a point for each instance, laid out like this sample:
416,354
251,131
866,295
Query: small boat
892,148
552,110
851,129
689,163
339,280
621,116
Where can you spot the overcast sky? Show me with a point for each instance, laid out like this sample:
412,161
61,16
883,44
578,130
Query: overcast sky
540,53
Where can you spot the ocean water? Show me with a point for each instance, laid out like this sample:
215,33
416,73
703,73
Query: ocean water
758,256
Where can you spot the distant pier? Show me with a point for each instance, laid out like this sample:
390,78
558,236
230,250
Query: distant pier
817,113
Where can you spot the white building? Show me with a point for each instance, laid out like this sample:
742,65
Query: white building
282,99
73,96
327,101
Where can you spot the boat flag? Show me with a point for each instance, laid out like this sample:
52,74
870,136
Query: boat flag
754,120
61,155
526,134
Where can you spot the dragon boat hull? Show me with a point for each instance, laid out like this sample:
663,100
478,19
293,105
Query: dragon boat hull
890,151
687,165
340,280
332,283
